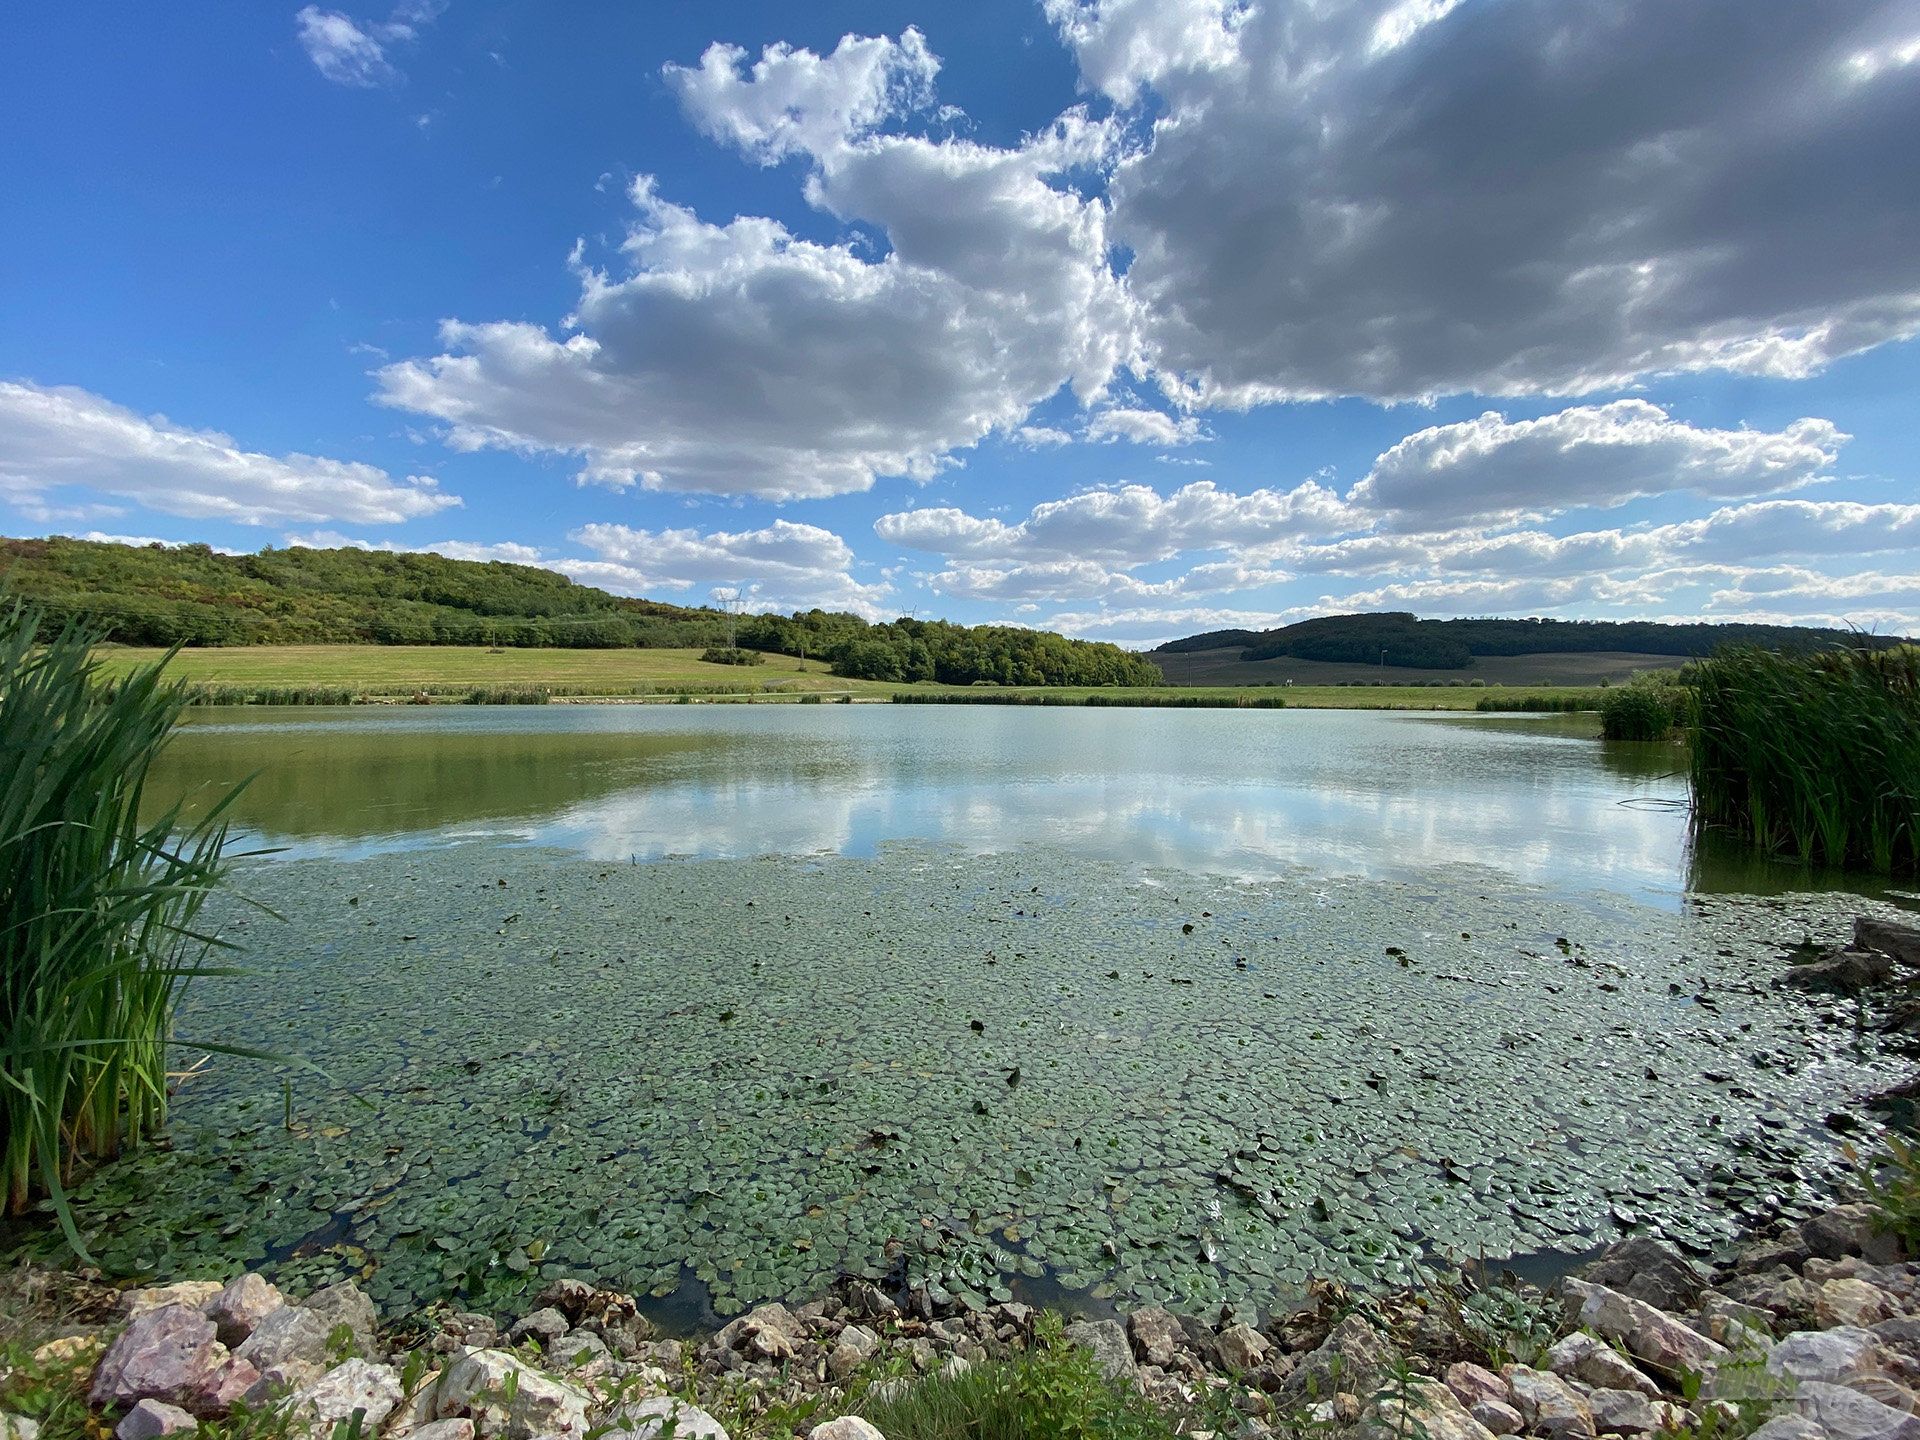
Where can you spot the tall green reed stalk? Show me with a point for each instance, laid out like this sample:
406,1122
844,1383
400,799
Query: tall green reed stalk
1814,756
98,909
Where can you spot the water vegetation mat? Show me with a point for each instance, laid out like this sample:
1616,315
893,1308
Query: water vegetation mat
719,1081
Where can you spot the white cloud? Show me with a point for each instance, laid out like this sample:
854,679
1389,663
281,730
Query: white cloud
510,551
1402,198
784,566
1492,470
350,53
1123,45
794,101
1144,427
1125,525
53,439
739,359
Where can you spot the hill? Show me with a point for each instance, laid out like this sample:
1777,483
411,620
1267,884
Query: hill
196,596
1398,640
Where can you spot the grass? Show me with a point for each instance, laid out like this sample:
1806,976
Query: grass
1054,1391
97,908
347,674
1648,709
1815,757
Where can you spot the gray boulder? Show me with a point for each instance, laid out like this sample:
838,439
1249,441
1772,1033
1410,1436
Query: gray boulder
151,1419
647,1419
1848,1415
1845,972
1108,1342
1647,1270
1901,942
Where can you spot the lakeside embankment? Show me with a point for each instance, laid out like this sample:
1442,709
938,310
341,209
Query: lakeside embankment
448,674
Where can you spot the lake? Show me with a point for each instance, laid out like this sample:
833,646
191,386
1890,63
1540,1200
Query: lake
715,1003
1247,793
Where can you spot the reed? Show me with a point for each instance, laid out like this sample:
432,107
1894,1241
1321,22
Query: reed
98,911
1814,756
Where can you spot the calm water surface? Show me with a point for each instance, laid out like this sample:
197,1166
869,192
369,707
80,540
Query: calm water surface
1247,793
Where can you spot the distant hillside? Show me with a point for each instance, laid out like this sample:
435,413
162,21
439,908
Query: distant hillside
193,595
1400,640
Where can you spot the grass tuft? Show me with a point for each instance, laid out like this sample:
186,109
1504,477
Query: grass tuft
97,910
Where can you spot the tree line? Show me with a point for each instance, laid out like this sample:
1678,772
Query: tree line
1398,638
197,596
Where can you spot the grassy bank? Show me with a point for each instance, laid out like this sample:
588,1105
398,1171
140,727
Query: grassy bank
350,674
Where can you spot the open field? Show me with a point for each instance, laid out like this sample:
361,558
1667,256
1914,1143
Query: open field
406,669
452,671
1225,667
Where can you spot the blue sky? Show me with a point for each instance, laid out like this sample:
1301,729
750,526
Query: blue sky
1124,318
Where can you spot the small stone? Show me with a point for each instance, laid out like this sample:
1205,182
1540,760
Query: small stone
1499,1417
475,1385
1648,1333
1623,1412
545,1325
1845,971
1733,1324
1353,1356
292,1334
1429,1409
1647,1270
847,1427
582,1353
151,1419
647,1419
1848,1415
1108,1342
1852,1302
868,1300
1833,1357
1548,1403
1241,1347
456,1429
1474,1384
853,1349
18,1427
191,1293
1156,1336
240,1306
1850,1230
168,1353
1789,1427
345,1304
1590,1359
355,1385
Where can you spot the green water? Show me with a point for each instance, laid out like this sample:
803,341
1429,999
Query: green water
1174,1006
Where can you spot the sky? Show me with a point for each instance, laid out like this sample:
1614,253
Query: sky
1127,318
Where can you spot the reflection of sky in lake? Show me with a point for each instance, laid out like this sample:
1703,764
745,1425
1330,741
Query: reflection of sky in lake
1249,793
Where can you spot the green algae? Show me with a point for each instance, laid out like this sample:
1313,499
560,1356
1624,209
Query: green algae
744,1078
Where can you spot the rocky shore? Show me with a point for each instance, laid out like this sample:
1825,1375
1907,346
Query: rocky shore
1811,1333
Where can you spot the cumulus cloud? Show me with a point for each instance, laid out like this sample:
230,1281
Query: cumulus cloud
509,551
783,566
54,439
739,359
794,101
350,53
1124,525
1402,198
1492,470
1144,427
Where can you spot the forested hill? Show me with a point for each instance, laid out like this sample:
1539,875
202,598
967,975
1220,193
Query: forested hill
193,595
1398,638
